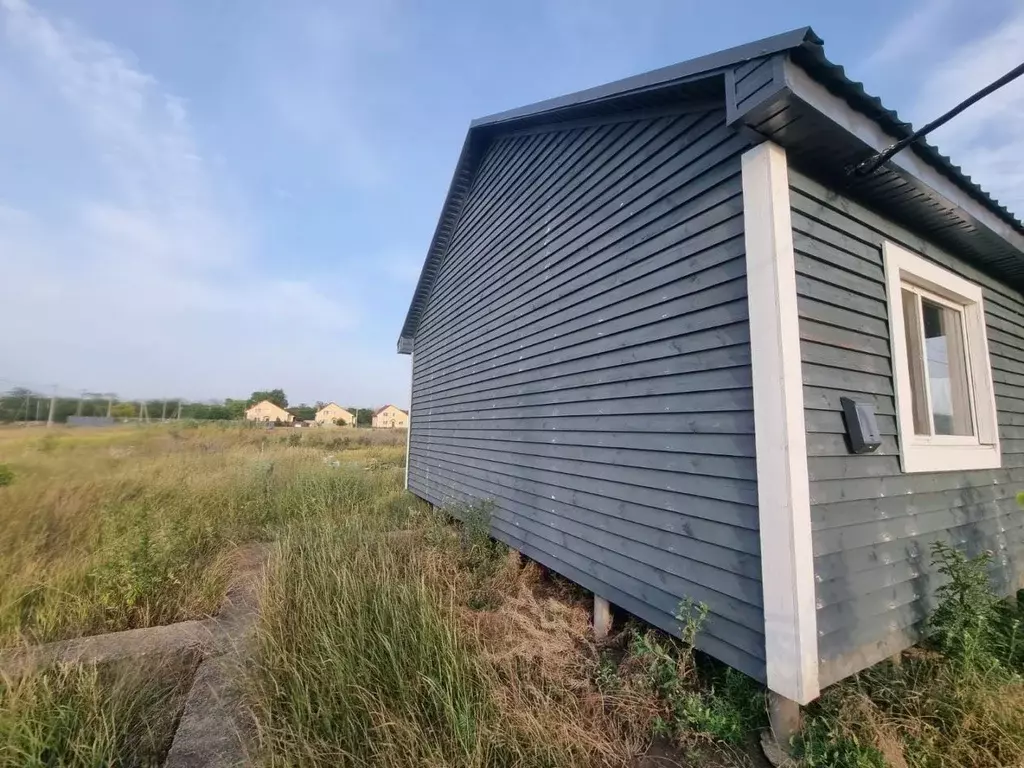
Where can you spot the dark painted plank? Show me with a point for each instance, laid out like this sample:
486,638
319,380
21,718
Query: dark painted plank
716,286
832,378
724,542
697,372
679,460
720,347
716,510
830,314
616,394
730,490
816,267
595,225
844,359
843,338
843,513
973,537
715,444
685,333
827,399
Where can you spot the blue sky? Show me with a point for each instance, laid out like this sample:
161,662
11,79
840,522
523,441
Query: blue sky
200,199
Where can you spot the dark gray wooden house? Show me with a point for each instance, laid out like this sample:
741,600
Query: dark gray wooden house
636,322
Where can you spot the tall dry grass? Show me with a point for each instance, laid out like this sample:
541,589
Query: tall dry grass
91,716
387,640
111,529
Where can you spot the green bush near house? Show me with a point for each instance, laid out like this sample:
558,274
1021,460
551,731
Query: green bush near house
956,701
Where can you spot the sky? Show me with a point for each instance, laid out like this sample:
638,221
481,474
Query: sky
204,198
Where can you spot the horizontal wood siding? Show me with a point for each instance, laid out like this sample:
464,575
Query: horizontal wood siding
583,363
872,524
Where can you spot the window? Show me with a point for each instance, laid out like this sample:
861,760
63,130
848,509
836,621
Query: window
945,402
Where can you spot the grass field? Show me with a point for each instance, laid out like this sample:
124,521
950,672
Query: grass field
390,635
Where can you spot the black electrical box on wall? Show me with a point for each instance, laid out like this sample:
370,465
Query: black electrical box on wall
861,426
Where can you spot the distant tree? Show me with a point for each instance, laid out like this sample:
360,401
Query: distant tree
364,417
17,404
276,396
235,408
123,411
303,412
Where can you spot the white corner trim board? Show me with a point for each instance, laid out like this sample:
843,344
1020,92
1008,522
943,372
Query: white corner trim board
783,493
408,426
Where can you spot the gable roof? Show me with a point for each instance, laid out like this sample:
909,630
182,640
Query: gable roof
389,405
266,402
706,77
325,406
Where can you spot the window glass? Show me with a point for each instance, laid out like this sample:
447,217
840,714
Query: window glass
947,369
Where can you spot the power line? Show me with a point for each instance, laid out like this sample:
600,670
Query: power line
871,164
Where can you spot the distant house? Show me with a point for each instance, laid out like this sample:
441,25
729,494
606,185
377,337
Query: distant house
684,352
333,414
267,411
391,416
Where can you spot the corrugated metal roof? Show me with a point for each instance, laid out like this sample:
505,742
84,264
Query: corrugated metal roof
811,56
805,48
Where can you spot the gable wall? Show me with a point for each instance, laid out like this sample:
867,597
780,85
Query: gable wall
583,365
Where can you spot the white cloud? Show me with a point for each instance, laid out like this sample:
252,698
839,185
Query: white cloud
986,140
135,270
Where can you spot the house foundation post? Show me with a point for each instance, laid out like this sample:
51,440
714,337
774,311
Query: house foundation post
602,618
785,718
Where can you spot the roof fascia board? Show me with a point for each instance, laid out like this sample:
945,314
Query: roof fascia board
908,162
451,211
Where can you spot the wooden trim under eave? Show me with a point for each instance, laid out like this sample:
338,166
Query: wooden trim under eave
787,562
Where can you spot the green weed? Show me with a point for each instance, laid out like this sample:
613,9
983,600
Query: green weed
6,475
958,701
696,701
86,716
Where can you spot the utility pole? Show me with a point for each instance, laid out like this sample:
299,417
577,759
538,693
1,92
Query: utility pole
39,402
163,413
110,403
81,398
179,409
53,407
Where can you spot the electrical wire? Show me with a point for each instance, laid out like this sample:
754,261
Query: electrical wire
871,164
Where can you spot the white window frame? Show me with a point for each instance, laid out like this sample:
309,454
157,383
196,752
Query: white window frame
941,453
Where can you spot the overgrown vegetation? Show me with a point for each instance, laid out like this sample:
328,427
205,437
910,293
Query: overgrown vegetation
393,636
127,527
390,636
89,716
957,701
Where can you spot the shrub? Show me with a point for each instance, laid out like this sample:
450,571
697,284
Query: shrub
959,701
965,623
6,475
